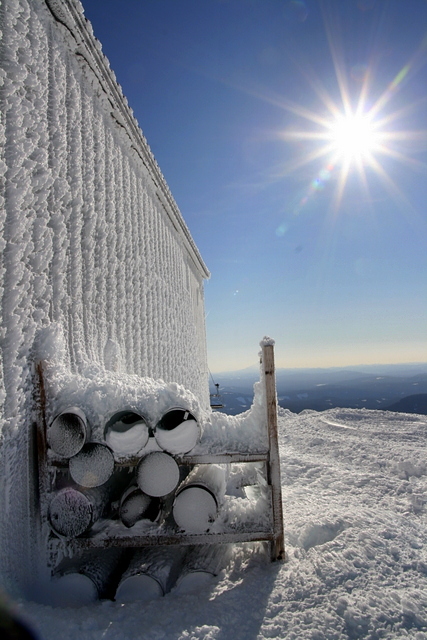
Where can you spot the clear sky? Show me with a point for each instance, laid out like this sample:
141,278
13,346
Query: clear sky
292,135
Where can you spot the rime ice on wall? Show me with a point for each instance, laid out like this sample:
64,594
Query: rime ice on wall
90,236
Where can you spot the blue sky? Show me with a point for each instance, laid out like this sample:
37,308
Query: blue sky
322,250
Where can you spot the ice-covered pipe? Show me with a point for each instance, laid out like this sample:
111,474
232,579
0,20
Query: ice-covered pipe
177,432
136,505
84,581
73,511
68,432
126,433
151,573
198,498
201,564
93,466
157,474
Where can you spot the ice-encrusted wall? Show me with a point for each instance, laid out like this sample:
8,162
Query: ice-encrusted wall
90,236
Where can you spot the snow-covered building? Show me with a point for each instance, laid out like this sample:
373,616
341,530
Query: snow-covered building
92,241
91,236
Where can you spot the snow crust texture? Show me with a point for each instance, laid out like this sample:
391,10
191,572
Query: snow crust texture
68,432
354,494
93,466
86,240
157,474
91,241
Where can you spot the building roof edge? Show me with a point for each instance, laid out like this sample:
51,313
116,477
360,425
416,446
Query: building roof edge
71,14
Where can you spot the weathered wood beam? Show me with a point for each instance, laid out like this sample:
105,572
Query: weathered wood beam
273,465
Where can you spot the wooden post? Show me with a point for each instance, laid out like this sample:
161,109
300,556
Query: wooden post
273,465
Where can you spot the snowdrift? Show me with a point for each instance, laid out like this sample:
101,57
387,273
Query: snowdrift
354,492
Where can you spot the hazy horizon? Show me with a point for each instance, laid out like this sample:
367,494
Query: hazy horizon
254,366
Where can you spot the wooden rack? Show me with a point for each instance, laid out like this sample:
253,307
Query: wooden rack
109,533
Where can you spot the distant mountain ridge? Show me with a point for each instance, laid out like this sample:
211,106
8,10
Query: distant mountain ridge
370,386
409,368
416,403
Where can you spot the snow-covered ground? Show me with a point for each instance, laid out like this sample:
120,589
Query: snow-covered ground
355,494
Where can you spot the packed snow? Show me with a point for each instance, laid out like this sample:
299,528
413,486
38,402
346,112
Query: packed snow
194,510
354,496
126,433
177,432
157,474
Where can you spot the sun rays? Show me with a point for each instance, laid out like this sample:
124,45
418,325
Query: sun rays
359,134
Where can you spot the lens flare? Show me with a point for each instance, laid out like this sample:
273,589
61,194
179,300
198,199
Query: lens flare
355,137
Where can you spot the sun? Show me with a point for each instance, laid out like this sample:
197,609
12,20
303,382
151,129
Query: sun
353,134
354,138
350,139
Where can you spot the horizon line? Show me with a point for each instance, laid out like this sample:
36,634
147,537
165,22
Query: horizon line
346,366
